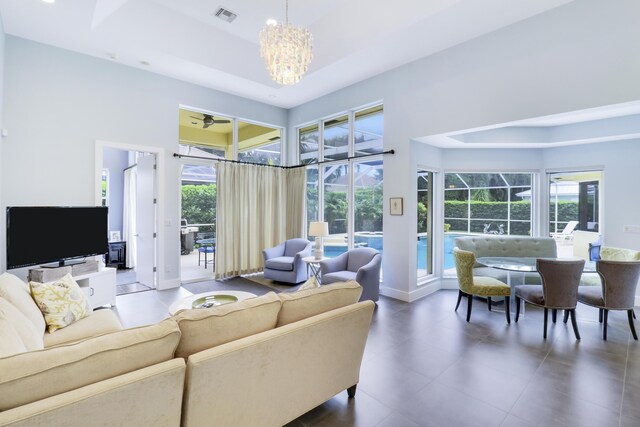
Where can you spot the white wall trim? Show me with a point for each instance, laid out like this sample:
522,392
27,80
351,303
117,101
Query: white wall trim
160,153
412,296
637,304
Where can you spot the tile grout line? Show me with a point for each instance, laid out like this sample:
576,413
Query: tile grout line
624,380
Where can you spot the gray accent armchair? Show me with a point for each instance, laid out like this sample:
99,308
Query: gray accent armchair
359,264
284,262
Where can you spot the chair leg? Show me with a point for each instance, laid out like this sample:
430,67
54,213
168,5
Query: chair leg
517,309
604,326
507,310
574,324
351,391
469,303
566,316
459,298
546,315
600,315
633,328
489,303
554,315
634,313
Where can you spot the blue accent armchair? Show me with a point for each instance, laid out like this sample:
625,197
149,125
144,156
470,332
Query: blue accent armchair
359,264
284,262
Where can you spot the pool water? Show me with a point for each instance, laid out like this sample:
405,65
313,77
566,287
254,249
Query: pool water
375,241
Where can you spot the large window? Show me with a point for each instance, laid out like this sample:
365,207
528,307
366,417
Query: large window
485,203
215,136
425,223
345,192
489,203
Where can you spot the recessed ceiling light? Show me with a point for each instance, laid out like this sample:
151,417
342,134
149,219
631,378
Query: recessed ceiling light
272,21
49,1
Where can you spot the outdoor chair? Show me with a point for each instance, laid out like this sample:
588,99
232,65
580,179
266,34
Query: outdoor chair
617,291
559,290
565,234
359,264
284,262
471,285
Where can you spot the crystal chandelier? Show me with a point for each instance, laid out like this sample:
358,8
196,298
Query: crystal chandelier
286,50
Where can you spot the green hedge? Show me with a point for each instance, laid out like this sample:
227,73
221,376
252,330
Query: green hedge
199,204
491,210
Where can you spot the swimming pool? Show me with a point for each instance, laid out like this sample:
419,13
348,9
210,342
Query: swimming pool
374,240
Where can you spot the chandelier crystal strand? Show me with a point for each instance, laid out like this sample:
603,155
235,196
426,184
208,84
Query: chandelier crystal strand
286,50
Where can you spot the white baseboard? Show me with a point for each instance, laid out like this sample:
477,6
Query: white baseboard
449,283
637,304
421,292
168,284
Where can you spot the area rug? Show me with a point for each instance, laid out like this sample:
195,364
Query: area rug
256,284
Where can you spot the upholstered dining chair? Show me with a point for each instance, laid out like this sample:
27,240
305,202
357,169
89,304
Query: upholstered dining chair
471,285
617,291
559,289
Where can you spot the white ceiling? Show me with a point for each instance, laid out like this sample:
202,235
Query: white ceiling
353,39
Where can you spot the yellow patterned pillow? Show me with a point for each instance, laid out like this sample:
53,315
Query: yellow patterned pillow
62,302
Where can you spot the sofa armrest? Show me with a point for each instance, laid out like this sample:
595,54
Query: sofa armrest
338,263
250,369
273,252
131,399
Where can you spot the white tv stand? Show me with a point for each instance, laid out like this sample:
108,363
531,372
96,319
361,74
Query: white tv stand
99,286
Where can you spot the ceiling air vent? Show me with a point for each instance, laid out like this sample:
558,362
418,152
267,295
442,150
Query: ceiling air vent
226,15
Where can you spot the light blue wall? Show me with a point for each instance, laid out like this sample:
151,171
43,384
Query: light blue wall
581,55
58,103
115,161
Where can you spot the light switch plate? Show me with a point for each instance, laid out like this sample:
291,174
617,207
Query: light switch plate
631,228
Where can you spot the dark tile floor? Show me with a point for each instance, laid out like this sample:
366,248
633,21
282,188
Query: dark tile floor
426,366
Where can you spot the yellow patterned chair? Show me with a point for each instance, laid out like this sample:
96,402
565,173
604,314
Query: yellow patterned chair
471,285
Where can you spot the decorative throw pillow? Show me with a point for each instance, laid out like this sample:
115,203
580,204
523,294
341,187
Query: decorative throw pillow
62,302
311,283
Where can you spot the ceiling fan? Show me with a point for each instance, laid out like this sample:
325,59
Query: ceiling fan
208,120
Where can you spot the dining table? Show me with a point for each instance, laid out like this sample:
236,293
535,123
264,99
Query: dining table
518,267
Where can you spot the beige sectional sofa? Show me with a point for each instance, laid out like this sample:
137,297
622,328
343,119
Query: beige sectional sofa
260,362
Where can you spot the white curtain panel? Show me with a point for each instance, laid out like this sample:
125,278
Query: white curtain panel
257,207
129,215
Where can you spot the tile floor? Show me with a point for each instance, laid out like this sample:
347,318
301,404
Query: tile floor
425,366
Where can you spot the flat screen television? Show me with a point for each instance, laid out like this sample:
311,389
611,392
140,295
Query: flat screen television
46,234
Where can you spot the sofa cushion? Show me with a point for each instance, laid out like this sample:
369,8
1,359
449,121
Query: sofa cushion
62,302
35,375
100,322
17,293
27,332
300,305
204,328
339,276
11,341
282,263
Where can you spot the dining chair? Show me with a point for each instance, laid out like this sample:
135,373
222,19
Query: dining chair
471,285
559,290
619,280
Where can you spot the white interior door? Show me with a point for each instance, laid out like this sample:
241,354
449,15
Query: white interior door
145,220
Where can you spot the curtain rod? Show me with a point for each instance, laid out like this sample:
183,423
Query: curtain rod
282,167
